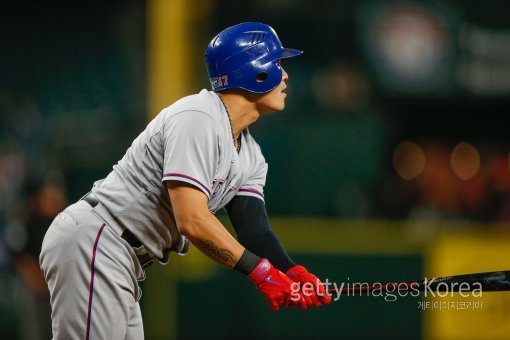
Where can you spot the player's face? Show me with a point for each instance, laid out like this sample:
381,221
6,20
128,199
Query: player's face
274,100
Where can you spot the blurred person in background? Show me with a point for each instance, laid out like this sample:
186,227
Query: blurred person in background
45,199
27,207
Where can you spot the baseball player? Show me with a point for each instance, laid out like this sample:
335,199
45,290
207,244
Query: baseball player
196,157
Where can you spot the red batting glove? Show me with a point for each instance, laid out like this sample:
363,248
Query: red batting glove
312,288
274,284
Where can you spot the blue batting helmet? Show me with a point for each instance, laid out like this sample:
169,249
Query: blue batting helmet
245,56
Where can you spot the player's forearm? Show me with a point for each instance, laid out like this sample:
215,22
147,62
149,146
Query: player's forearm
267,245
204,230
208,234
249,219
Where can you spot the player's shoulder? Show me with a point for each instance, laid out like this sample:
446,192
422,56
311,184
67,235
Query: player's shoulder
205,103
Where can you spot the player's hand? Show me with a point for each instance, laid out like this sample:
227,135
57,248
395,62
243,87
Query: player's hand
271,282
312,289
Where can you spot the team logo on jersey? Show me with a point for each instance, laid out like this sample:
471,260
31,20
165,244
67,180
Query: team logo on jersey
217,184
219,81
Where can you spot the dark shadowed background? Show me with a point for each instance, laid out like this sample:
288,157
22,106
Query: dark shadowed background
390,162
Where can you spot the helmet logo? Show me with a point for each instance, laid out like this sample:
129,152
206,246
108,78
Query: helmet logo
219,81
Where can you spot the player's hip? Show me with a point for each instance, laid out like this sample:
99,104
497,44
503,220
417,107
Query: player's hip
77,237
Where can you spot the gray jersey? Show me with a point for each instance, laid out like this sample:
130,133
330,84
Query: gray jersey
189,141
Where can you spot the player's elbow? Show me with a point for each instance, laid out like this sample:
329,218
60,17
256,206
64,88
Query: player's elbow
190,225
190,208
187,229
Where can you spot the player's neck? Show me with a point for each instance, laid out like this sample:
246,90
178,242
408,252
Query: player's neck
242,112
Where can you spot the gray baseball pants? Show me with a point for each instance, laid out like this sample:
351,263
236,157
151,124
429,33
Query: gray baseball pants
92,274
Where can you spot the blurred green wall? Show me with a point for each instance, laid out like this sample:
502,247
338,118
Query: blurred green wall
209,301
195,298
228,306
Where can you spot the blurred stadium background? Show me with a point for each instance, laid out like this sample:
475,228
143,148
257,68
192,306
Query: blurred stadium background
391,161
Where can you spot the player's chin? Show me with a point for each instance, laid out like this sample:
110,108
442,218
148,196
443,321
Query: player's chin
275,105
280,104
277,108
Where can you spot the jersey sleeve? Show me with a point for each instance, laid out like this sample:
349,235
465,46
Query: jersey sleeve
254,186
190,149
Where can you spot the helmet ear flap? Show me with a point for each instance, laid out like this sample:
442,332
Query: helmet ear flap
266,78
